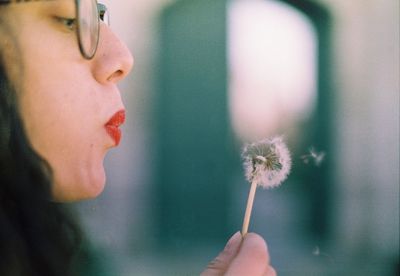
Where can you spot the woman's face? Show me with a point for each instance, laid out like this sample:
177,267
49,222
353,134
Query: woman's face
65,100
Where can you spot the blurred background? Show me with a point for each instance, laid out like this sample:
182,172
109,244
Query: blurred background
210,75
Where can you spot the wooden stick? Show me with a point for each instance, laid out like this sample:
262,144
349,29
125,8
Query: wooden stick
249,207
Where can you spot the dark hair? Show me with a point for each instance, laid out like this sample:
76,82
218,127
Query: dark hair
37,236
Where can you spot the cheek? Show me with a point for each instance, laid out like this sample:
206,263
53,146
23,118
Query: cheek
61,116
63,124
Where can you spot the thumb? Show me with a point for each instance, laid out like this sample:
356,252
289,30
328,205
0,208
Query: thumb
221,263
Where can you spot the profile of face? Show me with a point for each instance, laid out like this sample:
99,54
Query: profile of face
65,100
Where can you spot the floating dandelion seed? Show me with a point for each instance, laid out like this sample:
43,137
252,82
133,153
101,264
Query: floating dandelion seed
313,155
318,253
267,163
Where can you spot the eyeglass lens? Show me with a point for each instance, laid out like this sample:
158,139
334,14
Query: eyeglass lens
88,26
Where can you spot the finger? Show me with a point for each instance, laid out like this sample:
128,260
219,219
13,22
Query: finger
220,264
252,258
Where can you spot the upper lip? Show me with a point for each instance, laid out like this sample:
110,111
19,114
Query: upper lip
117,119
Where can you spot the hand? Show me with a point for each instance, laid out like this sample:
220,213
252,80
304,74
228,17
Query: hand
242,256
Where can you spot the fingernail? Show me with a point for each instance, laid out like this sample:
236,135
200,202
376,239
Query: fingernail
235,239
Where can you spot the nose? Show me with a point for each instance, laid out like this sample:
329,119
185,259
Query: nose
113,61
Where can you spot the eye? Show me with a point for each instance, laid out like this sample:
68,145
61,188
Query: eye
70,23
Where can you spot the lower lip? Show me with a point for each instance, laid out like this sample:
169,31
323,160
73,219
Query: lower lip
115,133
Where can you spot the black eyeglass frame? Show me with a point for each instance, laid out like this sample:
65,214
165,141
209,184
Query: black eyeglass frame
101,10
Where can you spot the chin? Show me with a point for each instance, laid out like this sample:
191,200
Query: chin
96,185
83,188
93,190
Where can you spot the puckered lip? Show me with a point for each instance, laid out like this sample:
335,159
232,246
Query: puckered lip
113,124
117,119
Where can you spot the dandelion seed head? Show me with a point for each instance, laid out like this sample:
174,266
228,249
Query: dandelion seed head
267,162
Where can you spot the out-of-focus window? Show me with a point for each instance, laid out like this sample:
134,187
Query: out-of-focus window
271,65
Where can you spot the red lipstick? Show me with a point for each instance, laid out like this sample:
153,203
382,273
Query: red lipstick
112,126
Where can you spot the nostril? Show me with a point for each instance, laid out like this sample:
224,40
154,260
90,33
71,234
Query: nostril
116,76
